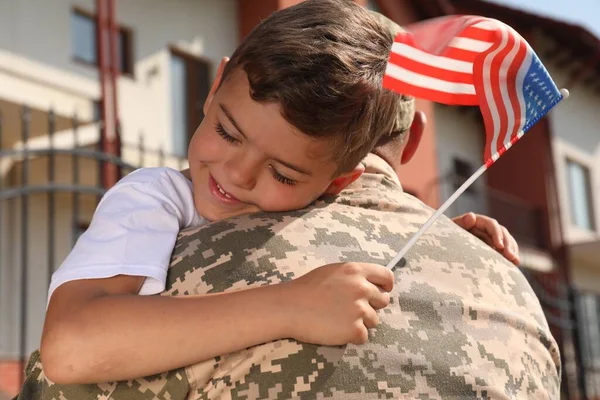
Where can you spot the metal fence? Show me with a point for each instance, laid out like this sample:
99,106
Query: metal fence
19,223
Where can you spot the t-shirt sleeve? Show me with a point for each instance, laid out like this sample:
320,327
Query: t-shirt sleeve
133,230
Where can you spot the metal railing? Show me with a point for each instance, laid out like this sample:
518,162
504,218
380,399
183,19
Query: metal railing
18,189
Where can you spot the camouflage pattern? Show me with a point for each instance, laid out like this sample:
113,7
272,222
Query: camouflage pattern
462,323
165,386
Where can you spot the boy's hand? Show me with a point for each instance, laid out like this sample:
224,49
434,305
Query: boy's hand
336,304
492,233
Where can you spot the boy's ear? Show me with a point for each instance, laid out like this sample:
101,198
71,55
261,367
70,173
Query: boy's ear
345,179
215,85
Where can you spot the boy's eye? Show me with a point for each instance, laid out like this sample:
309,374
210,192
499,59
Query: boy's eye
223,133
283,179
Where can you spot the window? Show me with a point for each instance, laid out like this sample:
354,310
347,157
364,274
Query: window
83,32
462,171
125,51
96,110
190,84
580,195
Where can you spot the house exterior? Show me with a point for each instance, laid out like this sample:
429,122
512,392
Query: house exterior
545,189
168,53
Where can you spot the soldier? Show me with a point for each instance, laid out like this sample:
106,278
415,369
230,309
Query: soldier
462,322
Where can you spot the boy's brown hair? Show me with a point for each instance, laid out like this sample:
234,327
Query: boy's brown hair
323,61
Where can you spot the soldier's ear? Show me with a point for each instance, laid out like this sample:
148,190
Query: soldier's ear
345,179
414,137
215,85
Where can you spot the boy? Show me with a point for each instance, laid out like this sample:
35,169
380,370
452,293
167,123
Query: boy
287,120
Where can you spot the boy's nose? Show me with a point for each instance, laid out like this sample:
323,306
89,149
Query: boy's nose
241,174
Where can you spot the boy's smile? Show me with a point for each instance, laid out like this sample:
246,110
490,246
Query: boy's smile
245,157
217,190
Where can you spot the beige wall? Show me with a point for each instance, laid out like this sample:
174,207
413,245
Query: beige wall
36,68
36,65
575,126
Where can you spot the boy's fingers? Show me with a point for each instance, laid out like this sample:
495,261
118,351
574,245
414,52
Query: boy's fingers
485,228
512,258
370,319
493,229
497,237
512,247
380,299
508,241
362,334
469,219
498,234
380,276
465,221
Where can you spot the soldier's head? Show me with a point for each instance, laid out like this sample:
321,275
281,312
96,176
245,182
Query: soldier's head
294,111
400,144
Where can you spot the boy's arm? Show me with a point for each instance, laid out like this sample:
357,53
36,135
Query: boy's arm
100,330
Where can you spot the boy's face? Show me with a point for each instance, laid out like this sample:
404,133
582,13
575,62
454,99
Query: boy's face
245,157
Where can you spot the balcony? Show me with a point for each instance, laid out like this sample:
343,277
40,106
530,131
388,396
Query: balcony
523,220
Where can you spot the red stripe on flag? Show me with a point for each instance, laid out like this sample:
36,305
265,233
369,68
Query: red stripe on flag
431,71
460,54
496,83
512,88
483,104
429,94
476,33
513,107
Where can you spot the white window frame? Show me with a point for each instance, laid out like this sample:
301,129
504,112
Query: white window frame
563,152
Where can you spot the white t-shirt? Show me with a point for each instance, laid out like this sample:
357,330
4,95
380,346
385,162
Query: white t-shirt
133,231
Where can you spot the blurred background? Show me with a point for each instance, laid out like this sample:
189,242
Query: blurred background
93,89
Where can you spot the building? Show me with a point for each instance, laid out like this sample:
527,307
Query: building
545,189
168,53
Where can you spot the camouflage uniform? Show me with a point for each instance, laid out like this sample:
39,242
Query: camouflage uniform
462,323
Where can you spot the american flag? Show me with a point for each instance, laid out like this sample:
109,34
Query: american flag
471,60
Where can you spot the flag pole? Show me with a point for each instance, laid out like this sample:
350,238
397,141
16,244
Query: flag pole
564,93
436,215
